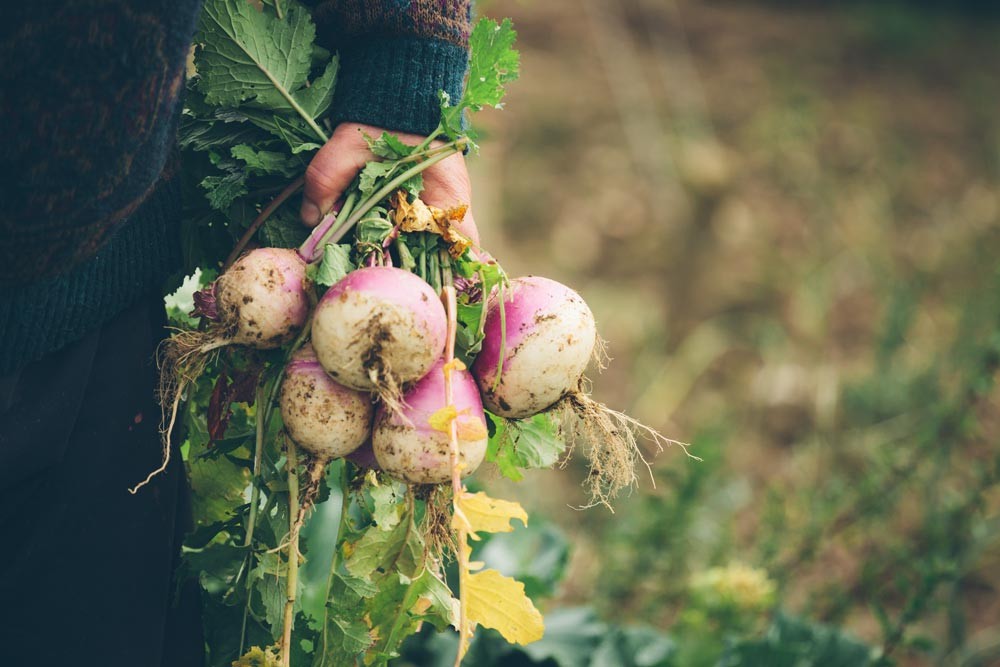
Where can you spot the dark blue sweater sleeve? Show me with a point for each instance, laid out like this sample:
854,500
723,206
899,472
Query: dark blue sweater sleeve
396,55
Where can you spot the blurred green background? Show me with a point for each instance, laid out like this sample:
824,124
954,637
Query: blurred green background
785,217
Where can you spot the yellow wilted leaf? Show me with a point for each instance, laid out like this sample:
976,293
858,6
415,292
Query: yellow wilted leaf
499,602
469,428
441,420
455,364
490,515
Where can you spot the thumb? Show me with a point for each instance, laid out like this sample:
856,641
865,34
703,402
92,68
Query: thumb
332,169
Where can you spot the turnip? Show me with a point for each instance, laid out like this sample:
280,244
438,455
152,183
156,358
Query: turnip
539,337
262,301
536,347
327,420
378,328
324,418
411,448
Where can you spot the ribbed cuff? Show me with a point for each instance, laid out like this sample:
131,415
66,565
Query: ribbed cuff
45,316
393,82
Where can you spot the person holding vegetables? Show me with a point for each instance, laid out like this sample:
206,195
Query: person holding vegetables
90,94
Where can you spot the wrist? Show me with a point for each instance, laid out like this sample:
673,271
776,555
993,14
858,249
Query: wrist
394,82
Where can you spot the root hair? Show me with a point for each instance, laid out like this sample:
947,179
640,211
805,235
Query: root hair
600,354
610,442
436,525
180,359
386,387
314,469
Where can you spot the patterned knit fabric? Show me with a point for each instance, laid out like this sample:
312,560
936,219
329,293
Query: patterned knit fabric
89,99
395,57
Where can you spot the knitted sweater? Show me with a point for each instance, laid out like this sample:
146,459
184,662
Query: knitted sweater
89,101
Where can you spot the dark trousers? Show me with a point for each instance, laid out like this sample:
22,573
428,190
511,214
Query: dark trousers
85,567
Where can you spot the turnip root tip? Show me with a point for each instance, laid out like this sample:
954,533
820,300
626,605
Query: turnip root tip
610,443
436,525
180,359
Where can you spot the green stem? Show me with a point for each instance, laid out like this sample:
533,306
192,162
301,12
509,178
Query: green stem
484,311
503,336
311,248
345,495
422,152
392,185
263,419
444,260
258,454
434,271
429,138
293,553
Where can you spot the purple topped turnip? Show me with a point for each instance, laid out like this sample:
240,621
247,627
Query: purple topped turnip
377,329
539,338
536,350
412,449
262,299
324,418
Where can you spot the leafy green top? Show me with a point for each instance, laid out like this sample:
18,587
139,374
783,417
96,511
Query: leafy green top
250,57
493,63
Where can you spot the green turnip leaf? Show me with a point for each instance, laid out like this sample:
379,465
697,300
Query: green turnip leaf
493,63
251,57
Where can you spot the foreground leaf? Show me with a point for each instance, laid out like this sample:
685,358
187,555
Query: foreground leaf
489,515
335,265
524,444
499,602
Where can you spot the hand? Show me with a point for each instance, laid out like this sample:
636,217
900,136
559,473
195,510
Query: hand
332,169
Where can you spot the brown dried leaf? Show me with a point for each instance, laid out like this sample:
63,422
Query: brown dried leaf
419,217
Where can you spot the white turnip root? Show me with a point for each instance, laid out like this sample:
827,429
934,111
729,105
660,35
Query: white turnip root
378,328
262,301
410,449
327,420
539,344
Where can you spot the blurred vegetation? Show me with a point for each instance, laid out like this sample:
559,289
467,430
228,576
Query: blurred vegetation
785,216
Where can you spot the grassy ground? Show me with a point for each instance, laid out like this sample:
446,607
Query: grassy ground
785,220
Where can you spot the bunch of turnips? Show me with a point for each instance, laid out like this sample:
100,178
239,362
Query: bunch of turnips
383,357
366,354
